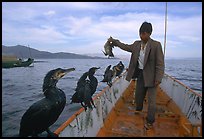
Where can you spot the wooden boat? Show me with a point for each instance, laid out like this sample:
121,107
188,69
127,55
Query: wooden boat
16,63
178,114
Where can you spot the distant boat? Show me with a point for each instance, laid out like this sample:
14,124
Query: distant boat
12,61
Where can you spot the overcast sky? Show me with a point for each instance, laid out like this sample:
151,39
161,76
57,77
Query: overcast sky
83,28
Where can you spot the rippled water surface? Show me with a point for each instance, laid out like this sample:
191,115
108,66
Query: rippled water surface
21,87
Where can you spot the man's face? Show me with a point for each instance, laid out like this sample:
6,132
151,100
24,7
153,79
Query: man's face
144,36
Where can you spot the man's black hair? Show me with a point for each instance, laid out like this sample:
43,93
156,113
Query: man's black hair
146,27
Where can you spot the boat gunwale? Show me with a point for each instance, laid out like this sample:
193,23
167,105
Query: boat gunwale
200,95
70,119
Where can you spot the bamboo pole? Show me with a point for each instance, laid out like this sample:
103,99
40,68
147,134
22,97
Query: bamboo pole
165,30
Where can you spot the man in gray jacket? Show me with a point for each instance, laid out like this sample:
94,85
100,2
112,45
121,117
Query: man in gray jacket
147,65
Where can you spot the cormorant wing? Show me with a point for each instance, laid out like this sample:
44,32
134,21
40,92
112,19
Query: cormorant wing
78,95
81,81
87,94
107,69
37,115
75,98
87,91
109,75
93,84
113,73
82,78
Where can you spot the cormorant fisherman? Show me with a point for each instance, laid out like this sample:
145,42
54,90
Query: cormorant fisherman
119,68
85,89
43,113
108,75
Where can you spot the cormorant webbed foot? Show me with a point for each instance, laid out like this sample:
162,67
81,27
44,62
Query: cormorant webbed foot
51,134
109,84
94,106
85,108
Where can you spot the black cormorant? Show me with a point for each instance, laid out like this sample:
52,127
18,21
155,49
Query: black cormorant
43,113
85,89
108,75
119,68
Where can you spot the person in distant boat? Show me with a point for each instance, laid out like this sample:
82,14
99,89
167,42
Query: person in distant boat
147,65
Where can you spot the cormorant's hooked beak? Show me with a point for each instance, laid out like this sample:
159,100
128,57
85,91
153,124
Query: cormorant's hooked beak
65,71
93,70
96,68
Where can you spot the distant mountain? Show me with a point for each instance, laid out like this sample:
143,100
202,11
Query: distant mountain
24,52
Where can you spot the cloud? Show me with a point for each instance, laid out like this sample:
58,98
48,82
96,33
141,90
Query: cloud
190,38
43,36
84,27
185,26
75,26
18,14
81,5
49,13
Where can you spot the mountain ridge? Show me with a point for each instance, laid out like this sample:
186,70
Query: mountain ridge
21,51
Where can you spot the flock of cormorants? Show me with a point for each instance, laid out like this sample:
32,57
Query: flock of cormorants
45,112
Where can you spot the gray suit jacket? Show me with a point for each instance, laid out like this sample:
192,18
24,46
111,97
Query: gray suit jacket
153,62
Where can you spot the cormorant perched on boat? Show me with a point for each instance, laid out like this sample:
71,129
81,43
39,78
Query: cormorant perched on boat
43,113
108,76
119,68
85,89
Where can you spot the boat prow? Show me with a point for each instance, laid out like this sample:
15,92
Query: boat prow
178,113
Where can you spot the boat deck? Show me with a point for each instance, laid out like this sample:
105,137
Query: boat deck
123,122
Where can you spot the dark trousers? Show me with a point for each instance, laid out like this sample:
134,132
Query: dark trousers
140,94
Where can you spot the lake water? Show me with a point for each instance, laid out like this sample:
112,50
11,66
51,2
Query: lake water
21,87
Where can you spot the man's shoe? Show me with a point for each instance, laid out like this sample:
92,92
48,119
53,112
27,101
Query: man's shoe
148,126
